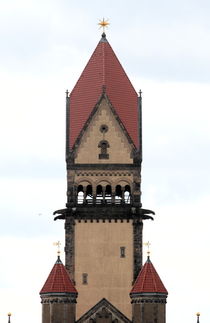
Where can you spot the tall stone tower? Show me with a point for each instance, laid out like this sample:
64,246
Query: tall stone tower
103,215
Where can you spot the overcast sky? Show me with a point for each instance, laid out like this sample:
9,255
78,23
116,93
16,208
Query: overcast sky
164,47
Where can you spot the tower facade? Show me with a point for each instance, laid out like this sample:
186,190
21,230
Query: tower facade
103,215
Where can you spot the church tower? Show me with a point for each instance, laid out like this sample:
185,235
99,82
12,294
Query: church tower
103,215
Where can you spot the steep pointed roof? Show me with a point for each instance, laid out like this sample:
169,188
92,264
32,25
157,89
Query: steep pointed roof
102,73
58,280
148,281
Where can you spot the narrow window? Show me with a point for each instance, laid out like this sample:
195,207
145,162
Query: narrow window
118,195
80,195
99,194
127,194
89,194
103,144
84,279
122,252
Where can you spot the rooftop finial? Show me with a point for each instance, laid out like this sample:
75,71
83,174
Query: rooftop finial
58,244
9,315
148,244
198,317
104,24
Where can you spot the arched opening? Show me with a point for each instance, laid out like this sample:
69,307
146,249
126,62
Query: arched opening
127,194
99,194
118,194
89,194
80,195
108,194
103,144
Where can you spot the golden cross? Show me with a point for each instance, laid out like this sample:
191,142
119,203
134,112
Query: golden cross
104,23
148,244
58,244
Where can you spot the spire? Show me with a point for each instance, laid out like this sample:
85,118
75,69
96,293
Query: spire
103,69
148,281
58,280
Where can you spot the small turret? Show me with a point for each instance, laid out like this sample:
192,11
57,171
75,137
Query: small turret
148,296
58,296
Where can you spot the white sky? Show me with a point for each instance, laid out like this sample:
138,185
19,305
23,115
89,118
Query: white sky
164,47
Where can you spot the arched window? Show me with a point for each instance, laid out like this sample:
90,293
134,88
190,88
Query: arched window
89,194
80,194
108,194
99,194
127,194
103,144
118,194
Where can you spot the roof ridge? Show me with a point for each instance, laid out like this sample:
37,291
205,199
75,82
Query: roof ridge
144,276
154,274
103,63
63,278
53,275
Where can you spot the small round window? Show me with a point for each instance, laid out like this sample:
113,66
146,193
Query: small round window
103,128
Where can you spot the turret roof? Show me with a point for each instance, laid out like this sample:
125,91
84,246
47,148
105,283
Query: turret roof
58,280
104,73
148,281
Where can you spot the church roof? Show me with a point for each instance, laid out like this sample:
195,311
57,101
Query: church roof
148,281
102,73
58,280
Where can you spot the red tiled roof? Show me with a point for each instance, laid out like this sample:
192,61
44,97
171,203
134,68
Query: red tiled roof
58,280
148,280
103,71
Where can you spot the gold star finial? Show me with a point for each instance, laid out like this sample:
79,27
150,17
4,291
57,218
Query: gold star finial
58,244
148,244
104,24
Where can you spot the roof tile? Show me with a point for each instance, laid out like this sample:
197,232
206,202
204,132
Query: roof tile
148,280
58,280
103,71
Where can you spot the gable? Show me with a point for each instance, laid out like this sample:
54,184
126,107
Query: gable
103,312
104,141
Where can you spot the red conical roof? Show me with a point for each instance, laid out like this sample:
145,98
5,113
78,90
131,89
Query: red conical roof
148,280
104,72
58,280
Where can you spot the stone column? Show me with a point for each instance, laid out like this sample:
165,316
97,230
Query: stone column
137,247
70,246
